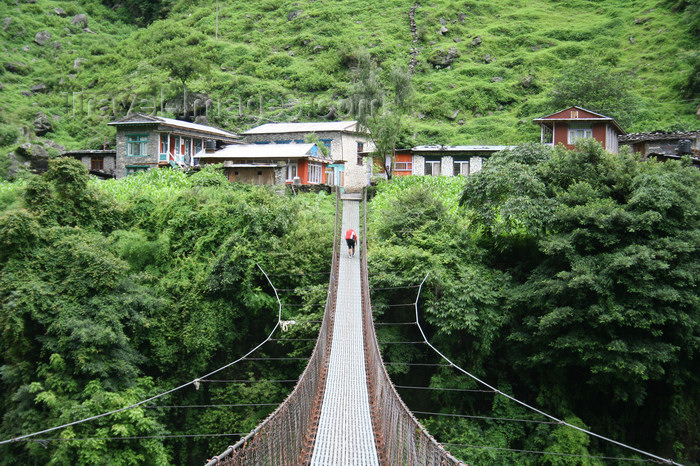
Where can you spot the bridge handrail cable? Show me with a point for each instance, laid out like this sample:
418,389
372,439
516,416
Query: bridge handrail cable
400,438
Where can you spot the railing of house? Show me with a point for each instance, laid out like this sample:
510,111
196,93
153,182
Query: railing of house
399,437
287,435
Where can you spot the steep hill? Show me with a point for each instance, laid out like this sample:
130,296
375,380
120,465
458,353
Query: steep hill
483,69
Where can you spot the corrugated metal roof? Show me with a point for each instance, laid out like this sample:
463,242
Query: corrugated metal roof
196,127
460,148
140,118
273,128
658,136
263,151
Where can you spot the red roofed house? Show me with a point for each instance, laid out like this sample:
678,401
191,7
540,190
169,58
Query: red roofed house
566,126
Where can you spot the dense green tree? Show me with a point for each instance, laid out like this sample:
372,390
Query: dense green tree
112,292
566,278
381,108
597,87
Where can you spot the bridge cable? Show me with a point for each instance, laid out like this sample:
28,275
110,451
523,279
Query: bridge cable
522,403
556,453
194,382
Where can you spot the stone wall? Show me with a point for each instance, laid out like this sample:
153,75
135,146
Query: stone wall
355,177
123,160
418,165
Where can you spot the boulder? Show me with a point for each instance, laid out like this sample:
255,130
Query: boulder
442,58
60,11
476,41
42,37
42,124
457,39
294,14
443,30
80,20
454,115
443,21
78,62
527,81
31,156
461,17
487,58
6,23
496,79
39,88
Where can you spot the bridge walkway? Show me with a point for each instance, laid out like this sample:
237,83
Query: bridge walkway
345,433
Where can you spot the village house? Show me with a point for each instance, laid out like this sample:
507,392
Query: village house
147,141
100,163
439,160
271,164
344,142
663,145
574,123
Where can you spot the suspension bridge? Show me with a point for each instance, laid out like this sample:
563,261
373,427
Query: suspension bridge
344,409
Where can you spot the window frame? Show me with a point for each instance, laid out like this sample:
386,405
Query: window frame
97,163
141,141
292,171
460,171
575,128
433,163
403,166
315,173
136,169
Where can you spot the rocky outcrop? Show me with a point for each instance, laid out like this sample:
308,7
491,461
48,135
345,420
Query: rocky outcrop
42,37
414,33
292,15
443,58
42,124
80,20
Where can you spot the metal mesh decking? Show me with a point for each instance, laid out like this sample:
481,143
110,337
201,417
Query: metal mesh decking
345,433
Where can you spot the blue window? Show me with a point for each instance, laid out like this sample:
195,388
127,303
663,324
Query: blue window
136,145
327,143
262,142
284,141
134,169
299,141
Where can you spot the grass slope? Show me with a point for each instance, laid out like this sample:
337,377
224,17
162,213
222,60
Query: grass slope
290,60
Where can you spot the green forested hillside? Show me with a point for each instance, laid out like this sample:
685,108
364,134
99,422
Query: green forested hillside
483,69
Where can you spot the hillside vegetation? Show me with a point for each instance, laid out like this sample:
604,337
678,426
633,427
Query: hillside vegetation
113,292
483,69
567,279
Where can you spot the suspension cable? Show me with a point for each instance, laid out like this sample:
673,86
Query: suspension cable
555,453
522,403
194,382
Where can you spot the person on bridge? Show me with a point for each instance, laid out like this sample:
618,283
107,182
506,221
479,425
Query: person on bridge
351,238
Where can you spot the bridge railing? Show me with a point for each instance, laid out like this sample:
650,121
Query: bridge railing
287,435
399,437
